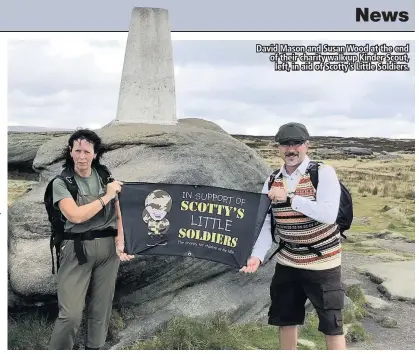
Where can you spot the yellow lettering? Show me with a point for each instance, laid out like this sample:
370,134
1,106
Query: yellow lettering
227,241
206,236
220,209
190,233
228,210
234,242
198,234
202,207
210,208
220,238
240,213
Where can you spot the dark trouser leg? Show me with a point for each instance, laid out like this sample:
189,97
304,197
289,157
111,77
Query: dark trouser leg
102,291
73,281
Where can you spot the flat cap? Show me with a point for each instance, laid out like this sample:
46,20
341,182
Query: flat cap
295,132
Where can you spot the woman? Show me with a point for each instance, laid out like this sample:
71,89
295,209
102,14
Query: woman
93,244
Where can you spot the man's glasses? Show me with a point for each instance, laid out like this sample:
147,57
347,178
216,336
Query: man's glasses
292,143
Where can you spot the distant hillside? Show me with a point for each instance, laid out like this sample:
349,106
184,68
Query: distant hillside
29,129
376,144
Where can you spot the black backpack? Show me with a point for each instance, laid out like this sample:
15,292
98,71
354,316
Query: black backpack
55,217
345,214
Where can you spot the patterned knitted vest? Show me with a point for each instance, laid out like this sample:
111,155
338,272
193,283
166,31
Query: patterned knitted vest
299,231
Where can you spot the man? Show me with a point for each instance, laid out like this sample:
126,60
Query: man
92,246
309,258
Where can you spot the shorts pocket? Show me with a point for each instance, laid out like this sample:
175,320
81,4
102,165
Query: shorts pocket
333,296
339,319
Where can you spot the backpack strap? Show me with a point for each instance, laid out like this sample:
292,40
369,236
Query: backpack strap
67,176
313,170
310,247
273,224
281,245
272,178
48,198
104,174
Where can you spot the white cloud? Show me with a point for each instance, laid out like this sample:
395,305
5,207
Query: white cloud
67,49
73,83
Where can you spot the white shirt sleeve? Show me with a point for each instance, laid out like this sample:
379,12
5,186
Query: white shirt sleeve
264,240
326,206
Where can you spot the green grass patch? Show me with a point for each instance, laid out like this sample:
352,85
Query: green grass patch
116,324
216,333
183,333
32,331
363,249
356,294
379,212
310,331
354,314
357,333
29,332
371,250
219,333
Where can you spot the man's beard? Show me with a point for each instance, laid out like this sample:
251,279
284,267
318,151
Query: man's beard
296,160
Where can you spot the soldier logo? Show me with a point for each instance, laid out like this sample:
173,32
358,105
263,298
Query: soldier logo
157,204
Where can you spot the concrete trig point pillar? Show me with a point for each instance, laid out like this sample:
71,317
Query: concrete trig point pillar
147,92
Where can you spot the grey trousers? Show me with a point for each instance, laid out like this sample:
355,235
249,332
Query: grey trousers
100,273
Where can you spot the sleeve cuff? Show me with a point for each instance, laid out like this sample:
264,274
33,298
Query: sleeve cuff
296,202
258,255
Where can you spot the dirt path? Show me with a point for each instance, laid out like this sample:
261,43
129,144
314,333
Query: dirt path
403,336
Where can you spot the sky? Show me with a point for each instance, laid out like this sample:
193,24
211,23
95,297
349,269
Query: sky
75,83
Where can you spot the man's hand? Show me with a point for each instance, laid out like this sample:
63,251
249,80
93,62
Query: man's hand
277,194
122,255
252,265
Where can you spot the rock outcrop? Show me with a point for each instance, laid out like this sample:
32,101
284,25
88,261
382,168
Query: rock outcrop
191,152
22,147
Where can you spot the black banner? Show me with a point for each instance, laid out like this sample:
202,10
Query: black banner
211,223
